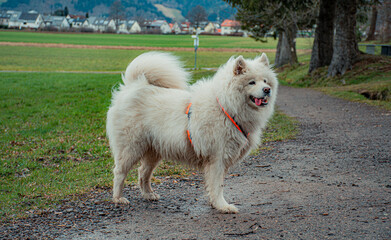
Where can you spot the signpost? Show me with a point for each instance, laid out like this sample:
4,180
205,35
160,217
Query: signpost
196,44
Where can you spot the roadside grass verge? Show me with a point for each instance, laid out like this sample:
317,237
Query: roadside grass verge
369,81
281,127
53,143
145,40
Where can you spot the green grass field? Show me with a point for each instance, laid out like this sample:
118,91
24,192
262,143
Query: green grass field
52,124
71,59
87,60
144,40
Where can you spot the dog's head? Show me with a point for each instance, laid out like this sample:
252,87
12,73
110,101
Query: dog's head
256,80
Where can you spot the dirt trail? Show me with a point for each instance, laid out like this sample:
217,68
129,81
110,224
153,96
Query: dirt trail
62,45
332,182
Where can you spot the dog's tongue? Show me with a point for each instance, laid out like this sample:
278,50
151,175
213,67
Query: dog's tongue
260,101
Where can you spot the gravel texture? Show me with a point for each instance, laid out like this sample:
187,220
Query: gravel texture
332,182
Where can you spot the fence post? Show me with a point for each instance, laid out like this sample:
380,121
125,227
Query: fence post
196,44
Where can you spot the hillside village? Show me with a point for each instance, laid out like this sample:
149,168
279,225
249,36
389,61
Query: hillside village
34,20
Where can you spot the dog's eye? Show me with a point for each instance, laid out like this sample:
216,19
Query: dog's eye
252,83
264,80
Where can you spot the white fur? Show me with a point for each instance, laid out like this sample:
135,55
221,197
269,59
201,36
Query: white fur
147,121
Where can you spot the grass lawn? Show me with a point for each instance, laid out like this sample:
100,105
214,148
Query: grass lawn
144,40
53,143
70,59
87,60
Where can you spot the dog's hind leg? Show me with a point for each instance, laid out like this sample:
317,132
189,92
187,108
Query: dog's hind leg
214,177
123,163
148,163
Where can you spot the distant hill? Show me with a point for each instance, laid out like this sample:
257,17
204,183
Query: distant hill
171,13
217,9
149,9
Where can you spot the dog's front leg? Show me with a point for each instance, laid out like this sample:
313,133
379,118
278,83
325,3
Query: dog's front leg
214,177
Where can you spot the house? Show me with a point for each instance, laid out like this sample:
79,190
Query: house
211,27
159,26
91,20
78,23
32,20
229,27
13,21
71,16
103,25
134,27
201,26
144,25
4,19
58,22
186,27
123,27
175,28
129,26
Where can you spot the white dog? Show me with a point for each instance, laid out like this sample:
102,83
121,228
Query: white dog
211,125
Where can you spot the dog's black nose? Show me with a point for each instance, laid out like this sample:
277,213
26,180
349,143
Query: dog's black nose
266,90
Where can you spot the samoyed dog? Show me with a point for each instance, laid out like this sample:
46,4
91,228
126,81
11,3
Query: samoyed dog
210,125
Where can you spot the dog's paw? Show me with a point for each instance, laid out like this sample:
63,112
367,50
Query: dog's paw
121,200
230,208
151,196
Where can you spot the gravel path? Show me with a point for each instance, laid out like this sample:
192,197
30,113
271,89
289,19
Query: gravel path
332,182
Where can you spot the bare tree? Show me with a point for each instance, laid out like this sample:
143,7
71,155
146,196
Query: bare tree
117,12
197,15
100,10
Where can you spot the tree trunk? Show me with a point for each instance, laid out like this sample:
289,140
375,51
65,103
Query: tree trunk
372,27
345,42
286,47
281,51
322,50
385,34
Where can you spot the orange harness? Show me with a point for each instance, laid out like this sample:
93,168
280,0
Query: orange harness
237,125
188,116
232,119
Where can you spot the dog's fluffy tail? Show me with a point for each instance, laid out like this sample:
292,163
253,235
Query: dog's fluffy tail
160,69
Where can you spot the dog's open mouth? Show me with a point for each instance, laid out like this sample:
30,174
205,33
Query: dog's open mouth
259,101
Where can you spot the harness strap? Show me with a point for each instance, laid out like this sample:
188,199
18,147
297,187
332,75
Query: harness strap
232,119
188,112
237,125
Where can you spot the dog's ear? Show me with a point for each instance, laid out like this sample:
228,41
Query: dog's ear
240,66
264,60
